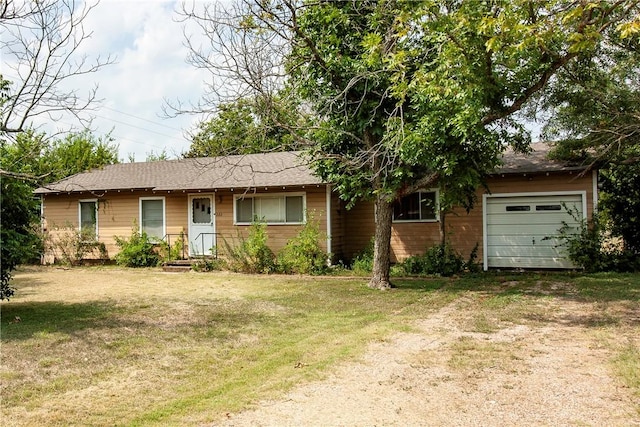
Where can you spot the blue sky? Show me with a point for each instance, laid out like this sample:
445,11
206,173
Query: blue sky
147,43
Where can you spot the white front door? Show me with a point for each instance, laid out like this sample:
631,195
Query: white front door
202,225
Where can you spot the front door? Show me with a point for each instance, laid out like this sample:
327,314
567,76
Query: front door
202,226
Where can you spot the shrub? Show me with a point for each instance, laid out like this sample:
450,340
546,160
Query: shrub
363,261
175,251
441,259
251,255
208,264
303,254
587,247
71,245
137,251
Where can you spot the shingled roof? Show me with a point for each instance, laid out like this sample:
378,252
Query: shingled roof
240,171
283,169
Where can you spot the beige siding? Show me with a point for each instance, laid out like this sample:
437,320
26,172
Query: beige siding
463,230
119,211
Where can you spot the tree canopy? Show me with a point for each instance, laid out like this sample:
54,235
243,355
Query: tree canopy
403,95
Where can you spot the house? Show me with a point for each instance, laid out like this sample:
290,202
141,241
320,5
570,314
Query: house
209,199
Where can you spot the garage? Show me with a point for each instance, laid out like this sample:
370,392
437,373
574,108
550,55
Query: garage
520,230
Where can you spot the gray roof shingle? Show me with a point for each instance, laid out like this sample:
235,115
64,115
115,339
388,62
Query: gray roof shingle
283,169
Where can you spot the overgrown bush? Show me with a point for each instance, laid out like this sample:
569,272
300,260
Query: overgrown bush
70,245
441,259
175,251
251,254
587,246
303,254
137,251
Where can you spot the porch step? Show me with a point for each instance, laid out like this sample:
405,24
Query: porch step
177,266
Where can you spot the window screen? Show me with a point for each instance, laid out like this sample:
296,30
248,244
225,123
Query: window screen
152,218
89,218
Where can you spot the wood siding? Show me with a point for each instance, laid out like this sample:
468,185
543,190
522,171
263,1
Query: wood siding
119,211
463,229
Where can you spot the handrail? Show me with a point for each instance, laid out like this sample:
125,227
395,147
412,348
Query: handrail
182,237
201,236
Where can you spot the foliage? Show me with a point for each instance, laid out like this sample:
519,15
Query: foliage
209,264
586,246
303,254
137,251
363,261
18,241
621,202
28,161
441,260
71,245
176,250
251,255
238,128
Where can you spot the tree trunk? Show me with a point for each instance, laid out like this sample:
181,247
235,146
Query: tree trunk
382,244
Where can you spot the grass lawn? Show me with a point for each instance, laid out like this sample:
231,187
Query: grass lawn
112,346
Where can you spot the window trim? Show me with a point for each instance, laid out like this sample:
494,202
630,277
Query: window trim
436,208
80,201
236,197
164,214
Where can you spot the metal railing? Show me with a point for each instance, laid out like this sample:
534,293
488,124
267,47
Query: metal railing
213,249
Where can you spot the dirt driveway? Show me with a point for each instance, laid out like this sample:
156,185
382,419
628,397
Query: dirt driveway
555,372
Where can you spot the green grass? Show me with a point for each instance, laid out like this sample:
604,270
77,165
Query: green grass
108,346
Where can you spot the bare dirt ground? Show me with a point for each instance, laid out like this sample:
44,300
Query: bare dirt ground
554,372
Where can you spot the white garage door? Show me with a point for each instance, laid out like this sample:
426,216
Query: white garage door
521,232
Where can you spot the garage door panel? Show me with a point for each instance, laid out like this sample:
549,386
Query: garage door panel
525,240
522,231
523,251
524,262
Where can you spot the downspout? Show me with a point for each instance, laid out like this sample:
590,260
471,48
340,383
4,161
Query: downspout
328,207
594,175
42,229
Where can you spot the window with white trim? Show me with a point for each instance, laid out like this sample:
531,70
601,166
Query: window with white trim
88,218
152,217
272,209
419,206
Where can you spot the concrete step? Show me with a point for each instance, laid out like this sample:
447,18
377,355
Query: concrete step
170,268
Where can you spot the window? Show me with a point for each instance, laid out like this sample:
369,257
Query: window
272,209
420,206
88,218
152,217
518,208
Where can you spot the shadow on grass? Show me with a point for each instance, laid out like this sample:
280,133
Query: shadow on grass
22,321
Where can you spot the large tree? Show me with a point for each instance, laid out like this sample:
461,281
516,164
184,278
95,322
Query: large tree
29,161
402,95
594,116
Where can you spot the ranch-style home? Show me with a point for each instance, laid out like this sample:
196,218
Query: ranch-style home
210,199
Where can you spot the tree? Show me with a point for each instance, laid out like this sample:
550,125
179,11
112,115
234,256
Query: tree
237,129
40,45
27,162
402,95
594,114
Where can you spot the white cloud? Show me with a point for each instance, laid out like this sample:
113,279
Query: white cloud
147,43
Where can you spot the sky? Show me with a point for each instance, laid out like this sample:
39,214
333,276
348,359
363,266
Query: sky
147,43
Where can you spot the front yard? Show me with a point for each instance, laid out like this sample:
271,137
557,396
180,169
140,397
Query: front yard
112,346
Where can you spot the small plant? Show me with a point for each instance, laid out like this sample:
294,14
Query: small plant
209,264
70,245
175,251
363,262
251,255
303,254
137,251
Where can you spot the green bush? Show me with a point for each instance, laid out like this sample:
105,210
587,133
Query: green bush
363,262
303,254
137,251
251,255
441,259
586,246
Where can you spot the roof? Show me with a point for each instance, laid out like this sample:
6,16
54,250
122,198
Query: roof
282,169
239,171
536,161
